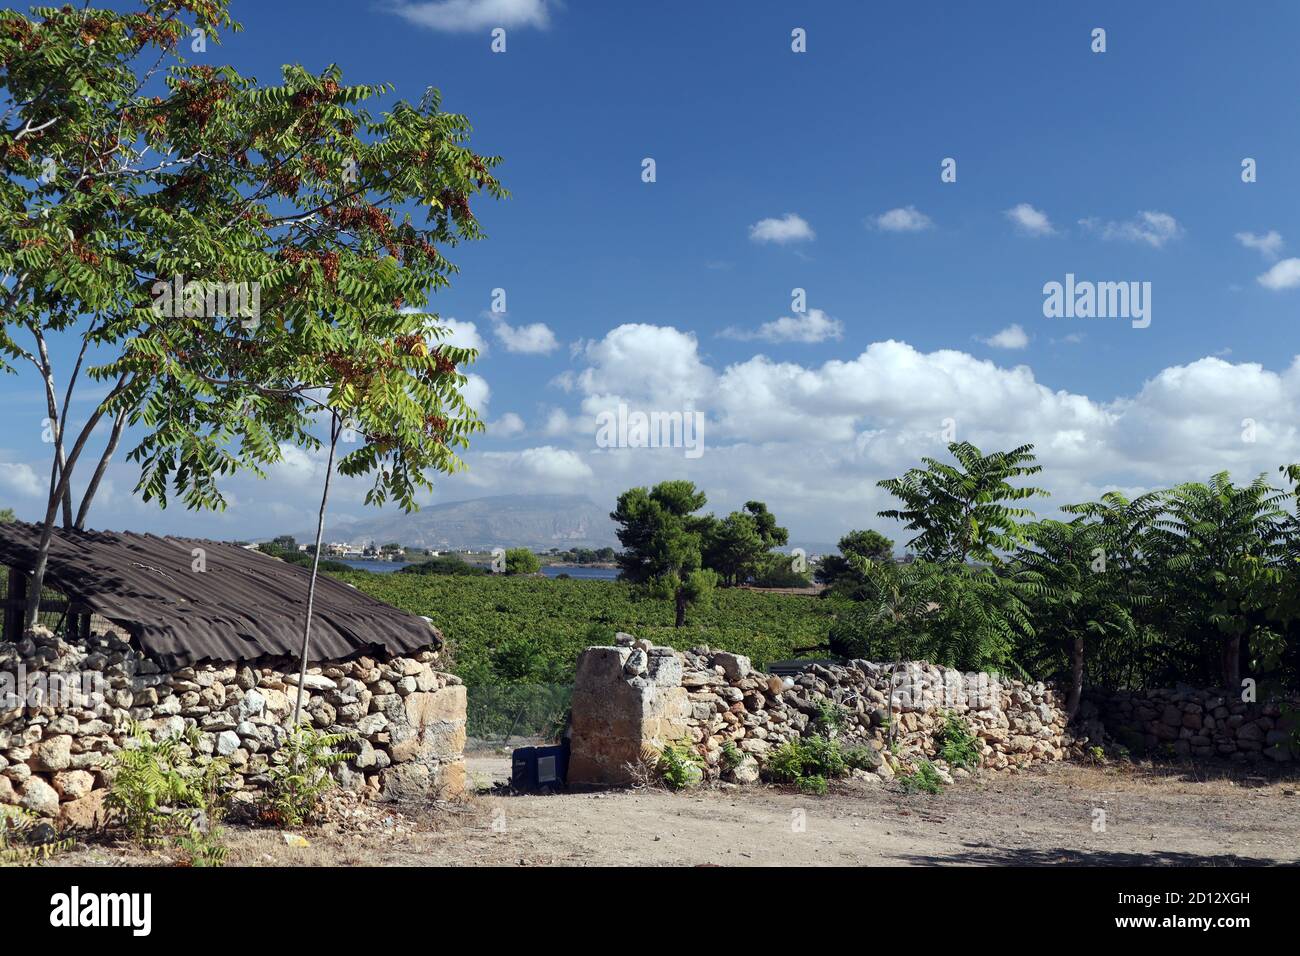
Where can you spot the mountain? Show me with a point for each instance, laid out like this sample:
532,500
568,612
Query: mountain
506,521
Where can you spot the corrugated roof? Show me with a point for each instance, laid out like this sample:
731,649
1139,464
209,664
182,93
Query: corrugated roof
245,606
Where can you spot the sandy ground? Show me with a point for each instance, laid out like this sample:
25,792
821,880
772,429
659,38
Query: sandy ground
1153,817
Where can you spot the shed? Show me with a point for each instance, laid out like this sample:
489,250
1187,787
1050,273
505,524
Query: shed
188,600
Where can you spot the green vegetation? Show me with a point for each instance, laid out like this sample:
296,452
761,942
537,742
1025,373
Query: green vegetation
444,564
528,631
26,839
809,762
680,766
161,790
300,776
522,561
925,779
957,745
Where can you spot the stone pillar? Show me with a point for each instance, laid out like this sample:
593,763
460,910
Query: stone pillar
625,699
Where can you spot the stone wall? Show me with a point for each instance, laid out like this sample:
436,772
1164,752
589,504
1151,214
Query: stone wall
635,695
407,720
1198,724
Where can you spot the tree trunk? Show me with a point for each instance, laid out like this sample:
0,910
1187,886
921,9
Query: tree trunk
681,608
315,565
1076,677
52,509
1232,664
118,424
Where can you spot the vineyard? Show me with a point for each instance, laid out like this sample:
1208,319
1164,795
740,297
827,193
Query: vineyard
505,630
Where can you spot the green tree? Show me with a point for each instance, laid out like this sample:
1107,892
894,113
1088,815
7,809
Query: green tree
7,515
662,540
842,571
734,548
961,511
522,561
1222,545
296,191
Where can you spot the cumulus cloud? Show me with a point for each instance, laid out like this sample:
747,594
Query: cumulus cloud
20,479
463,335
461,16
808,327
1029,221
1012,337
903,219
789,228
547,465
507,426
477,393
1153,228
1267,244
535,338
1283,275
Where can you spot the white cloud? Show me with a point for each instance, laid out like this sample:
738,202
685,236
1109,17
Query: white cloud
1029,221
460,16
1283,275
1012,337
789,228
903,219
557,423
533,339
1153,228
463,335
807,327
547,465
477,393
20,479
1267,244
507,426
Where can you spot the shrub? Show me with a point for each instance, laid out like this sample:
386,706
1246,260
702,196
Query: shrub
816,784
830,717
159,787
300,776
957,745
731,756
925,779
522,561
808,758
26,839
680,766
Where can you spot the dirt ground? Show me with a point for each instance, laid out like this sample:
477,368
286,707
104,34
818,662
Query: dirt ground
1153,817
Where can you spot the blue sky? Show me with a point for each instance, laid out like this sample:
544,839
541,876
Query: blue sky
1115,166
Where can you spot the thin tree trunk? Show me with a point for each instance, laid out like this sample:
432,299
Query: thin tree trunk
1232,663
315,565
681,608
56,421
1076,678
118,424
52,509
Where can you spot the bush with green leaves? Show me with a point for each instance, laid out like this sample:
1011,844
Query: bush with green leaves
26,839
300,776
830,717
806,758
160,786
956,744
925,779
680,766
732,756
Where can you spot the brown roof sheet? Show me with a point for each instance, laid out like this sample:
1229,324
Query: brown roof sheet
245,606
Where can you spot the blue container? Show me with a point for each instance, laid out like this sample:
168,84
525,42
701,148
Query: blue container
539,768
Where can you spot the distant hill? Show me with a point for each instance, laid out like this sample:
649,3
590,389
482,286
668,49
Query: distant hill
507,521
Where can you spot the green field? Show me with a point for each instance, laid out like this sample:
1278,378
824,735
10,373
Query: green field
528,630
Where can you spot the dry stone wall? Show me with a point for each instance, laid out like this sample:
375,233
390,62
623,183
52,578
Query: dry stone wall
405,717
635,695
1199,724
